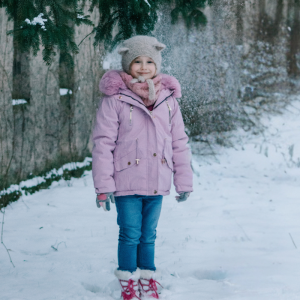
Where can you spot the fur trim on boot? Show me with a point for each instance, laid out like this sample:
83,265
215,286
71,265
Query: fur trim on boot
126,275
148,274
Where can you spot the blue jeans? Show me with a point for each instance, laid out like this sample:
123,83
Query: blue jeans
137,218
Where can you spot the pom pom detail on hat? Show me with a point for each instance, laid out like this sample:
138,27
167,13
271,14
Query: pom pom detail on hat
141,45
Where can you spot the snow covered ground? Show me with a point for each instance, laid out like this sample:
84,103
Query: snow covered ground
237,237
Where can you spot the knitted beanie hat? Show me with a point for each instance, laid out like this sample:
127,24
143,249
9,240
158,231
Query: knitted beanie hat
141,45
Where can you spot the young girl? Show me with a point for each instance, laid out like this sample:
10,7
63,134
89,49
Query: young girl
139,141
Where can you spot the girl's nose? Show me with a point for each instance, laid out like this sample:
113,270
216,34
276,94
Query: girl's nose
144,66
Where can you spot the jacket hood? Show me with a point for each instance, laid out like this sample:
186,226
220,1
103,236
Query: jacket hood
111,84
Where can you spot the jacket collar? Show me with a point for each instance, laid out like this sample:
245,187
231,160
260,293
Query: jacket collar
164,94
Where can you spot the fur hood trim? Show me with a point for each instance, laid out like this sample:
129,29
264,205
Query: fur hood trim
111,84
126,275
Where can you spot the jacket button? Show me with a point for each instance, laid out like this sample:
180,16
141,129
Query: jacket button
155,192
129,163
120,97
154,154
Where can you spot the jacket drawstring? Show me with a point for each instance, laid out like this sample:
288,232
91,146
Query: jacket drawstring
130,116
136,152
163,160
169,112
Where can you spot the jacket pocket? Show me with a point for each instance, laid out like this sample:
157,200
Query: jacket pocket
125,162
128,172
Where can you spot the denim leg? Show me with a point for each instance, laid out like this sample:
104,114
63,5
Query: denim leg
146,249
129,210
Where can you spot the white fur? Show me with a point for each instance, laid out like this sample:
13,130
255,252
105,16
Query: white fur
139,79
126,275
152,93
148,274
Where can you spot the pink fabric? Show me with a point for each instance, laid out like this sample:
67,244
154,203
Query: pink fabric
102,197
136,152
112,83
142,88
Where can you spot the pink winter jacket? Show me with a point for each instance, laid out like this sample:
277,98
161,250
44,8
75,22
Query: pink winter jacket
136,150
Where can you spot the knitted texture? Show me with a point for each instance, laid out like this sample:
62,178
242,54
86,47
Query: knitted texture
148,90
112,83
141,45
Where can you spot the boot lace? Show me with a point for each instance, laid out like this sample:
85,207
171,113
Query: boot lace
151,288
129,289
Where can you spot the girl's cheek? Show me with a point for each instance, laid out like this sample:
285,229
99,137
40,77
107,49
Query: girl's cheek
133,72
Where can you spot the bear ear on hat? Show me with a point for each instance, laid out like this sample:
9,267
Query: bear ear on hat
123,50
160,46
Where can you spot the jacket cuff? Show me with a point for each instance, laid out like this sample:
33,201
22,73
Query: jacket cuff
99,191
181,189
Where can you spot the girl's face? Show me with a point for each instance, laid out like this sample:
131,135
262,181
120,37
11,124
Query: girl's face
143,66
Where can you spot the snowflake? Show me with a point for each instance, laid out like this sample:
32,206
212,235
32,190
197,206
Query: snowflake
147,3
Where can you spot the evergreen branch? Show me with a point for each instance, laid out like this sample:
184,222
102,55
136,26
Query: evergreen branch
190,12
86,37
197,18
128,18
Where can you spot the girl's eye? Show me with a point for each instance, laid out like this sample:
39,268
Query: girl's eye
150,62
137,62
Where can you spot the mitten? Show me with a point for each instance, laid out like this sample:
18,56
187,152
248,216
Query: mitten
103,200
182,196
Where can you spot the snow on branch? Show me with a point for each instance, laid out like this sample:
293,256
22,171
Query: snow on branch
64,92
18,101
37,20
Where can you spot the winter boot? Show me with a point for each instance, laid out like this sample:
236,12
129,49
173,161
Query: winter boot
129,284
147,284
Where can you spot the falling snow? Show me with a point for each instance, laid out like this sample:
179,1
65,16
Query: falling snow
235,238
147,3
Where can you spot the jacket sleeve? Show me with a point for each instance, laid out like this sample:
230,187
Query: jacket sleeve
105,135
183,174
